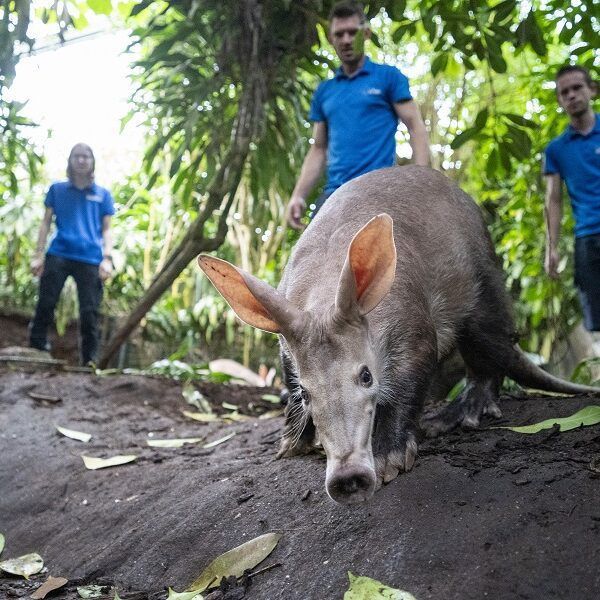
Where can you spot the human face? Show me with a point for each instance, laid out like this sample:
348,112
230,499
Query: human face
348,37
574,93
82,161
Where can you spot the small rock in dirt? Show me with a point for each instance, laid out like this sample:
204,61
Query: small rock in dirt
244,498
461,502
522,481
305,495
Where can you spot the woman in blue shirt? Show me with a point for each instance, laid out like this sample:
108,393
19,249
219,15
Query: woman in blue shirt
81,248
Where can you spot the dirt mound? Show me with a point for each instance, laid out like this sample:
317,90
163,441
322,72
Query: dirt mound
484,514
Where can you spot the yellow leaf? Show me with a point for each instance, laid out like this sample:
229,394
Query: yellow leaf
200,416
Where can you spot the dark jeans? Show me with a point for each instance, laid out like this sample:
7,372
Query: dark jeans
587,279
89,293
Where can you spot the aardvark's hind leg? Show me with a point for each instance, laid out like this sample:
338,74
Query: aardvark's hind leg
477,399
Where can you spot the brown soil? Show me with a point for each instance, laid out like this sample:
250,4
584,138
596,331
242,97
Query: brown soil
484,514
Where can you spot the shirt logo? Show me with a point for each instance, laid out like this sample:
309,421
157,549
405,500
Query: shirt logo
374,92
94,197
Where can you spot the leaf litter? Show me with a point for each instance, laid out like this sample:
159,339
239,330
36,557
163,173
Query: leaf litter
94,463
365,588
236,561
51,584
25,566
589,415
74,435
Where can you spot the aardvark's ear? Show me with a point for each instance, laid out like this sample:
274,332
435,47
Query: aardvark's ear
370,267
254,301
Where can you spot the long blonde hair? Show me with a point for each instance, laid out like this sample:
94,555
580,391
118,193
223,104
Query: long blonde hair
92,170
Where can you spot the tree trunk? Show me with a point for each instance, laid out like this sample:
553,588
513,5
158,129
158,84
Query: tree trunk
248,124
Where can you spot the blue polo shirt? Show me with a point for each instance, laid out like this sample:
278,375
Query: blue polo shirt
576,158
361,120
78,215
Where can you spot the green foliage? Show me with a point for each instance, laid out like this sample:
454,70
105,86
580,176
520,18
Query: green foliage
484,91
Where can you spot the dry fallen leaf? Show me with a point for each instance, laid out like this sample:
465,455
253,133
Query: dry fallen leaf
26,565
271,414
236,561
93,463
74,435
1,543
201,416
51,584
219,441
173,443
173,595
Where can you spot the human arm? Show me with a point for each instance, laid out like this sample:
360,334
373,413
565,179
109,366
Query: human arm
37,263
106,266
553,213
408,112
312,169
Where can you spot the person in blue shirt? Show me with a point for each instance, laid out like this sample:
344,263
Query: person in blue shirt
81,248
574,157
355,115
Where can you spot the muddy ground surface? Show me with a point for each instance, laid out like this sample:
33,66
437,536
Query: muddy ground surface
484,514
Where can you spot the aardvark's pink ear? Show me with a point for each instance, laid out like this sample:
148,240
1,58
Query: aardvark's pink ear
370,267
254,301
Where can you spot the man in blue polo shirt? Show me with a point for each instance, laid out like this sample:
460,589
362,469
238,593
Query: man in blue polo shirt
355,115
574,157
81,248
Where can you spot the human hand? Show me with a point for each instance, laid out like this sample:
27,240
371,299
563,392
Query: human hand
551,262
37,266
294,212
105,269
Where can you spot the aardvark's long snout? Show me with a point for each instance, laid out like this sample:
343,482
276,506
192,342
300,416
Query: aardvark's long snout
350,483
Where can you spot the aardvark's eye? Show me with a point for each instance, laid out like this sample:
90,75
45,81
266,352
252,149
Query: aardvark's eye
365,377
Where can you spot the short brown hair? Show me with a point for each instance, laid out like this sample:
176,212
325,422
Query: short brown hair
343,10
577,69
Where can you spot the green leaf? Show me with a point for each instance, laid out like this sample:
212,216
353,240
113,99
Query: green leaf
365,588
236,561
25,566
100,7
522,121
271,398
481,119
439,63
396,10
463,138
91,591
590,415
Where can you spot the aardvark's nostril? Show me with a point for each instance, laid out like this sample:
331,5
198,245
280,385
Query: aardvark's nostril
352,485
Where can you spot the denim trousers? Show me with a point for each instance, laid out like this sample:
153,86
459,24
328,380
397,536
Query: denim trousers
587,279
89,293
